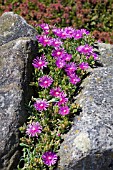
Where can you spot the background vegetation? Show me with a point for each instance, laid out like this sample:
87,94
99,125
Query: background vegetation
94,15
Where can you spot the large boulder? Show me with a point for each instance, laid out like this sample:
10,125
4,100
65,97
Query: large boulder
13,26
17,50
89,143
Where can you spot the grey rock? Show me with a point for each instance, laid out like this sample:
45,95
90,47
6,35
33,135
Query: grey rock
89,143
16,55
106,56
13,26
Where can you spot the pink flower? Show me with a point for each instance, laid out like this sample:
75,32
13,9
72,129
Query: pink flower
55,92
77,34
56,43
56,31
85,49
69,31
58,134
49,158
58,53
60,33
45,81
40,62
83,65
34,129
63,34
63,99
45,27
67,57
84,31
41,105
64,110
95,56
70,68
44,40
60,63
74,79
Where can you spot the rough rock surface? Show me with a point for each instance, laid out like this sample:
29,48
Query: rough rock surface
89,143
13,26
18,48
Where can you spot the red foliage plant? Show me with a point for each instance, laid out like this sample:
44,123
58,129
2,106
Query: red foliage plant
94,15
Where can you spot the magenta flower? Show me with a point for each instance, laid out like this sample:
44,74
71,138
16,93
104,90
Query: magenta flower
84,31
83,65
77,34
34,129
74,79
45,27
67,57
63,34
70,68
95,56
44,40
55,92
69,31
58,53
64,110
56,31
58,134
49,158
45,81
41,105
60,63
85,49
63,99
60,33
56,43
79,48
40,62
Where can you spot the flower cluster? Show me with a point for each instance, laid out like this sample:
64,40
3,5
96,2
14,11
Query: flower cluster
87,50
57,74
69,32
